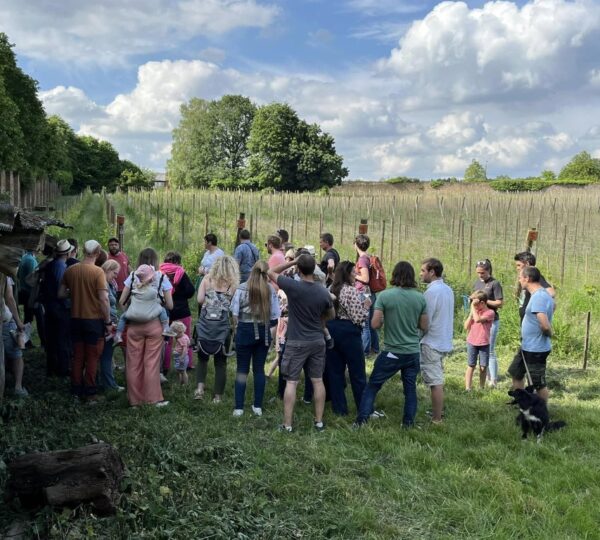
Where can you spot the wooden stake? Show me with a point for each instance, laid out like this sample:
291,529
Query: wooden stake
586,347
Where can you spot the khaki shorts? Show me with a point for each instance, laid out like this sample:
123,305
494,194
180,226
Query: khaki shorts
299,353
432,365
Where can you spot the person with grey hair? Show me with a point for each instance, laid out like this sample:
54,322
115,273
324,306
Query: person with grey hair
86,285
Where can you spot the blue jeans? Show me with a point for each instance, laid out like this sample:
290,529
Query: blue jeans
105,377
384,369
370,337
493,359
250,350
347,352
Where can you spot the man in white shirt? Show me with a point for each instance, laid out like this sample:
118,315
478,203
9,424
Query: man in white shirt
437,342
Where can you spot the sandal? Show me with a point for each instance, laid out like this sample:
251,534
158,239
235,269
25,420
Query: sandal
199,394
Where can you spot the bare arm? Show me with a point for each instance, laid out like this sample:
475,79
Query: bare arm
377,320
104,304
551,291
544,324
468,322
363,275
63,292
424,323
168,296
495,304
124,296
202,291
9,298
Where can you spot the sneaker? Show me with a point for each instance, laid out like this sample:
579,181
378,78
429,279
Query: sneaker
238,412
319,426
282,428
21,392
216,400
329,343
377,414
430,413
120,388
257,411
163,379
162,403
306,401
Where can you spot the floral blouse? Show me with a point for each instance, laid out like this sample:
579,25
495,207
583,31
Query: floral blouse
351,308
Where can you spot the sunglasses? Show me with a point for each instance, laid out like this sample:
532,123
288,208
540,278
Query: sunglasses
484,264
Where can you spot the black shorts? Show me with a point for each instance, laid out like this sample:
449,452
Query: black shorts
536,362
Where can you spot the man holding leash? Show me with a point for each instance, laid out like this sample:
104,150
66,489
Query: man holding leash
536,331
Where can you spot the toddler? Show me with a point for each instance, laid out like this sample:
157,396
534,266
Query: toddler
479,325
144,303
180,350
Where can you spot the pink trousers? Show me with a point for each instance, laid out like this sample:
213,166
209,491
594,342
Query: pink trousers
144,347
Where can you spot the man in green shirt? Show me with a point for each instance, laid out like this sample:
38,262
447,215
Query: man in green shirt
403,308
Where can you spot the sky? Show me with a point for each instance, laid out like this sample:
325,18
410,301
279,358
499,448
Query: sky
406,87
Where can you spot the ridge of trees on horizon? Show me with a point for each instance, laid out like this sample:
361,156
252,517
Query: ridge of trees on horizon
36,146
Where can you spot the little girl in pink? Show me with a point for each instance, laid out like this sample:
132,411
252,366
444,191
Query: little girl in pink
180,350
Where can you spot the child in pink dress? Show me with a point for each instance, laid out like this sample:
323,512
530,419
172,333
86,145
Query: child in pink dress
479,325
180,350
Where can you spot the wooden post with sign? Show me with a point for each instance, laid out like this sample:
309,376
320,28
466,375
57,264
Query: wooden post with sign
532,236
363,227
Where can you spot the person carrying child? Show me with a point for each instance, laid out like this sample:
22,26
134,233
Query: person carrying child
145,302
181,343
479,325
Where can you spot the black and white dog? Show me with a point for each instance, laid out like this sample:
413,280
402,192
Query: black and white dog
533,413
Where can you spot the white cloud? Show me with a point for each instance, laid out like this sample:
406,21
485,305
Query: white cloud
112,31
501,49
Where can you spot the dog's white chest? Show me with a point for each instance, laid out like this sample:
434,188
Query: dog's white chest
529,416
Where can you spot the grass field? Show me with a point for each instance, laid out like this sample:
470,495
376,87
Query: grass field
194,471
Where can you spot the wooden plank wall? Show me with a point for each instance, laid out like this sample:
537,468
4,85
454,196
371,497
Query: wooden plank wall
41,193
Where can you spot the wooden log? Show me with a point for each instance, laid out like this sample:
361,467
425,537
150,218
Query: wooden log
90,474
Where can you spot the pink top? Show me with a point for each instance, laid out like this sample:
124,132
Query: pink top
181,345
276,259
363,262
479,332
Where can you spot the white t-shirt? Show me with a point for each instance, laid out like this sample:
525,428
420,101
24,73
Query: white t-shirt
440,312
165,285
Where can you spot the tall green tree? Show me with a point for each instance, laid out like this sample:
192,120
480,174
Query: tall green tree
61,141
132,177
286,153
582,167
12,142
96,165
210,143
475,172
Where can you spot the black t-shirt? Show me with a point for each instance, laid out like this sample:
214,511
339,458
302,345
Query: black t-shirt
307,301
331,253
493,289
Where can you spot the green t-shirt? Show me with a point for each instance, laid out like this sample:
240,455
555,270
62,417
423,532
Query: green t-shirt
402,309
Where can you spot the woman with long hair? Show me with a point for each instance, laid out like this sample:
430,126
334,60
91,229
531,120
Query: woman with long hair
214,297
350,314
370,338
183,290
255,310
105,376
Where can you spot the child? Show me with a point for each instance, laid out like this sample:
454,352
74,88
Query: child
144,304
180,350
479,325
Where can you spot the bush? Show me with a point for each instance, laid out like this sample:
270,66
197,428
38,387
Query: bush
402,180
519,184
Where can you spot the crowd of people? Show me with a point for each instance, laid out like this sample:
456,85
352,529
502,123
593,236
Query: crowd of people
321,317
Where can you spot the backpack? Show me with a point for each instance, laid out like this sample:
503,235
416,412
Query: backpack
213,326
144,305
377,280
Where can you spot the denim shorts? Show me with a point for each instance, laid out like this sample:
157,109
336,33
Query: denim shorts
481,351
181,361
11,349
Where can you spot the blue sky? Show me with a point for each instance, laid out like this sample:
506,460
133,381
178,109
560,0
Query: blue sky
406,88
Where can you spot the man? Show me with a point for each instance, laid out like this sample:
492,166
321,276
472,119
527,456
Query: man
330,259
437,342
404,309
523,259
56,313
90,319
309,304
246,254
116,254
285,240
536,331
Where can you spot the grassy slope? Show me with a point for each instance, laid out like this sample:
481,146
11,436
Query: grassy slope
194,471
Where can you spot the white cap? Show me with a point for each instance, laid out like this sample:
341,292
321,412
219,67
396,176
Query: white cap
91,246
311,250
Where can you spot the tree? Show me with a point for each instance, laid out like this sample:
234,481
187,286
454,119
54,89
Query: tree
581,167
96,165
286,153
11,136
548,176
475,172
210,143
61,140
135,178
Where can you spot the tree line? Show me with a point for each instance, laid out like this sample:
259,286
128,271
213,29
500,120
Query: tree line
232,143
35,145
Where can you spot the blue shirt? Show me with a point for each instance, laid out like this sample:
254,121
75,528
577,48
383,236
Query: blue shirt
246,254
52,279
531,332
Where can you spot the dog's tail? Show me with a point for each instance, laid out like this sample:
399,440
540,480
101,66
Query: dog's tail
554,426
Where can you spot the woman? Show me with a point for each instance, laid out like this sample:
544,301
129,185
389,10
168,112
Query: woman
492,288
214,295
183,290
145,342
404,309
350,314
255,310
370,338
106,378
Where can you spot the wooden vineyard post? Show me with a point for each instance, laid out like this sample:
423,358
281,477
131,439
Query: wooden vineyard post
563,256
206,222
363,227
342,228
121,230
182,229
392,238
382,239
470,249
586,346
157,216
167,221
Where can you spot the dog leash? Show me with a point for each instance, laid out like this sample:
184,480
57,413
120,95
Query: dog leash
529,379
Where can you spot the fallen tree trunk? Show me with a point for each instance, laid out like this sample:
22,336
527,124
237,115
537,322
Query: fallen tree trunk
90,474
